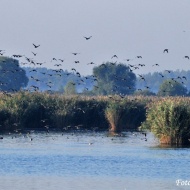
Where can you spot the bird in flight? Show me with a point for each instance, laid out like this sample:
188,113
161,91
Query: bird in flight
34,53
161,75
61,60
114,56
156,64
87,38
187,57
91,63
75,53
128,59
168,71
165,51
36,46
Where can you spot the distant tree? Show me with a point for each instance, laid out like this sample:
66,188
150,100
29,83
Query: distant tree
61,89
172,88
70,88
12,76
145,93
114,78
155,79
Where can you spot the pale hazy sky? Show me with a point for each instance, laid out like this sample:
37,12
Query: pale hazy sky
127,28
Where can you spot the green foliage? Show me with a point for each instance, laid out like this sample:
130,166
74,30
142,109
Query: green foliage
70,88
169,120
125,114
26,110
113,113
172,88
85,112
155,79
114,79
12,77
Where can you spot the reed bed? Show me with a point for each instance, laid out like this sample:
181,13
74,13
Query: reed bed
36,110
125,114
169,119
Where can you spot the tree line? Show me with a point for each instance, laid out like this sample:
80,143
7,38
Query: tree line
107,79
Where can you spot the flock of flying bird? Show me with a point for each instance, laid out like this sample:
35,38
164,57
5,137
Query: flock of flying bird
58,71
58,63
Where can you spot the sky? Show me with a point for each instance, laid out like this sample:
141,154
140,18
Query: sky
126,28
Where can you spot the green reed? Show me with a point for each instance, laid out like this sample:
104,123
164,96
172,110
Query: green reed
169,119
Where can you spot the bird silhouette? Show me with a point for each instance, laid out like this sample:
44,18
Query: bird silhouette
36,46
168,71
91,63
87,38
75,53
61,60
161,75
156,64
187,57
165,51
34,53
184,77
114,56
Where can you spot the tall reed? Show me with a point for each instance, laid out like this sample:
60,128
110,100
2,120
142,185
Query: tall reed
169,120
126,113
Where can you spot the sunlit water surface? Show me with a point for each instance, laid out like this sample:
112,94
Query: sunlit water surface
90,161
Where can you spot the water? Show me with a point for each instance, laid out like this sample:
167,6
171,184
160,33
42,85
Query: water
83,161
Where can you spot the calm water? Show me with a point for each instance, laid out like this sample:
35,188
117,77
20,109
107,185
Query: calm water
56,161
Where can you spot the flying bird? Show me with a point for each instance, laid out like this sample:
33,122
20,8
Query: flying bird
54,59
165,51
187,57
75,53
168,71
184,77
128,59
156,64
36,46
87,38
57,65
161,75
34,53
91,63
61,60
114,56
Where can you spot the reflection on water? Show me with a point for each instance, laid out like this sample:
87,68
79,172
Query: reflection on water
90,161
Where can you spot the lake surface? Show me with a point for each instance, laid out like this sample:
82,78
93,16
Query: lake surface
90,161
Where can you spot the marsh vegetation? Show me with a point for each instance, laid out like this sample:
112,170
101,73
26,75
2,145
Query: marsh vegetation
168,118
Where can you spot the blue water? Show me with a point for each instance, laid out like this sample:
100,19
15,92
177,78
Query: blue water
80,158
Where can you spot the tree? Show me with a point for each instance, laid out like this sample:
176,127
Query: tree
70,88
12,76
172,88
114,78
